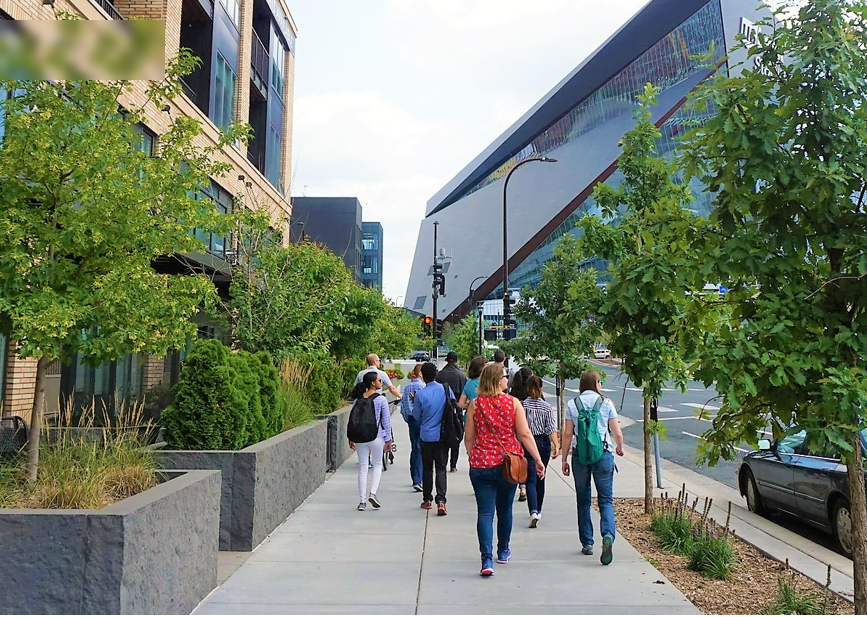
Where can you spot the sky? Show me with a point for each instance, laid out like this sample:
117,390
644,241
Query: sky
394,97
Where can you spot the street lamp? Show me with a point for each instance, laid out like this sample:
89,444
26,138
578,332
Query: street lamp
300,237
507,312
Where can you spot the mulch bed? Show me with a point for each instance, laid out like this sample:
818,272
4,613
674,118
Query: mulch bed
749,591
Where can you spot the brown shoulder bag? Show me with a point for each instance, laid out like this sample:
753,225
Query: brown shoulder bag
514,465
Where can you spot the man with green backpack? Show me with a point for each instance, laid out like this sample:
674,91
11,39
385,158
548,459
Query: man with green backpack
592,420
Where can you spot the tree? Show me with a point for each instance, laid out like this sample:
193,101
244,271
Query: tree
284,300
561,330
395,332
785,154
84,211
463,338
649,248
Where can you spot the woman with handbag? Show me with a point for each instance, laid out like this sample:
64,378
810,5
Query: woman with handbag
495,424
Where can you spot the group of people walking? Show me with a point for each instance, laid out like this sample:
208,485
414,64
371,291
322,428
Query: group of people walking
504,421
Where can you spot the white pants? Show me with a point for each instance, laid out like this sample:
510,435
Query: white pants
371,450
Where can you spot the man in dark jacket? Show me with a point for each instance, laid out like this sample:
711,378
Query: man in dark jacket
452,376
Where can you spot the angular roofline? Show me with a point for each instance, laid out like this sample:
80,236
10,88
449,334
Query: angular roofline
652,22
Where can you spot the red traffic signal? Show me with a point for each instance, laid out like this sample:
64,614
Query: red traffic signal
426,322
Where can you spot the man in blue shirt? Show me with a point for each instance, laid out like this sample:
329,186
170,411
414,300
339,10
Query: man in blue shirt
427,409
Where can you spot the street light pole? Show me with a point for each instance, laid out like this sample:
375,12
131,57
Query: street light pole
507,309
435,294
472,297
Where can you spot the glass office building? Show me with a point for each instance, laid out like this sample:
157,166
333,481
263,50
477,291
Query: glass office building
673,44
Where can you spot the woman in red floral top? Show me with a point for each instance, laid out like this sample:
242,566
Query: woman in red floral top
495,418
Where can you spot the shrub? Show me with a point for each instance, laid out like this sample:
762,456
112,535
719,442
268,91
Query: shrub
348,370
790,601
395,373
211,408
713,555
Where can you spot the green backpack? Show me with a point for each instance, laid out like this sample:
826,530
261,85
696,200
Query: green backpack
589,446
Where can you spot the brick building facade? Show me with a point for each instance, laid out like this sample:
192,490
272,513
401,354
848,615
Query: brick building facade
264,177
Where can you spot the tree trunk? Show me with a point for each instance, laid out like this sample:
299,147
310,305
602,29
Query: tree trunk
858,511
648,461
561,403
36,420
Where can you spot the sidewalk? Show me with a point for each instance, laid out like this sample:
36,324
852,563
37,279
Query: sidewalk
329,558
804,555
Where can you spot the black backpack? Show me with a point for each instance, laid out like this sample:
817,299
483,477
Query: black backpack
452,429
362,426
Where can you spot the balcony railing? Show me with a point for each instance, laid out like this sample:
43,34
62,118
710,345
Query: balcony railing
108,7
259,63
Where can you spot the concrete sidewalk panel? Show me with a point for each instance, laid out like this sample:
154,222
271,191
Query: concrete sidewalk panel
555,609
217,608
369,582
346,547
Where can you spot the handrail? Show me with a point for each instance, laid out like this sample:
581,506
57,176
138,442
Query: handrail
259,60
108,7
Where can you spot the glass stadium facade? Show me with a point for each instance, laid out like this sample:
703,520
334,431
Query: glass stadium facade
673,44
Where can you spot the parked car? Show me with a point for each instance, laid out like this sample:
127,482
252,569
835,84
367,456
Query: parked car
602,352
420,356
789,476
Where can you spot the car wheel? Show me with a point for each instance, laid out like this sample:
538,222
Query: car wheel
754,500
841,519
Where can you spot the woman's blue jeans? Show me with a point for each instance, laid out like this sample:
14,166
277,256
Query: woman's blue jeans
415,463
493,494
603,476
535,485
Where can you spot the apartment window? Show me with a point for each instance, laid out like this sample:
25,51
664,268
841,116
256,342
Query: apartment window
233,9
216,244
278,64
224,97
147,137
273,149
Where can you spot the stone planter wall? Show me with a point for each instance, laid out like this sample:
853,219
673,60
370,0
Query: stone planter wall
262,484
154,553
338,446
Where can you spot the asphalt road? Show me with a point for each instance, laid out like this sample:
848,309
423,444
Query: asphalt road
679,412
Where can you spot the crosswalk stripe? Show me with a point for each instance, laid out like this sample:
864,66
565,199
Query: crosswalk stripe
700,406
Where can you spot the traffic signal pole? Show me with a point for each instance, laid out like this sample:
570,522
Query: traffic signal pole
435,294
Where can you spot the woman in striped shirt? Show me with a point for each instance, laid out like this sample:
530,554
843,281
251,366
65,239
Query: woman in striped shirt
540,418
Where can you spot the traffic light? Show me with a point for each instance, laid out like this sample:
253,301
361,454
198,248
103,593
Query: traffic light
438,329
439,280
426,322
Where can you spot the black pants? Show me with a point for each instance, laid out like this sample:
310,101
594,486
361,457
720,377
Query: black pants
536,485
434,455
456,450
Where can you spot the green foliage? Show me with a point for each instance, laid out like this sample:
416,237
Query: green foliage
84,211
674,531
285,300
78,472
464,339
224,400
396,331
295,408
785,155
650,254
347,371
790,601
713,555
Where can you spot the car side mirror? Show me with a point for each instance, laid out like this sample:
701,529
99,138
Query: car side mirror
764,445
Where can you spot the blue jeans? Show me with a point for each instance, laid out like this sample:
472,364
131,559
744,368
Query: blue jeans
493,493
415,452
603,476
535,486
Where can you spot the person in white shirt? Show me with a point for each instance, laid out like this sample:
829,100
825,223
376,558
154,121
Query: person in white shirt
374,364
602,470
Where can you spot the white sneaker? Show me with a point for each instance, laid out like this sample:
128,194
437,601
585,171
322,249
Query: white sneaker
534,520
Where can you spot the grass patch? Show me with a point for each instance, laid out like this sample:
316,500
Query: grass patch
709,552
790,601
80,472
296,407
